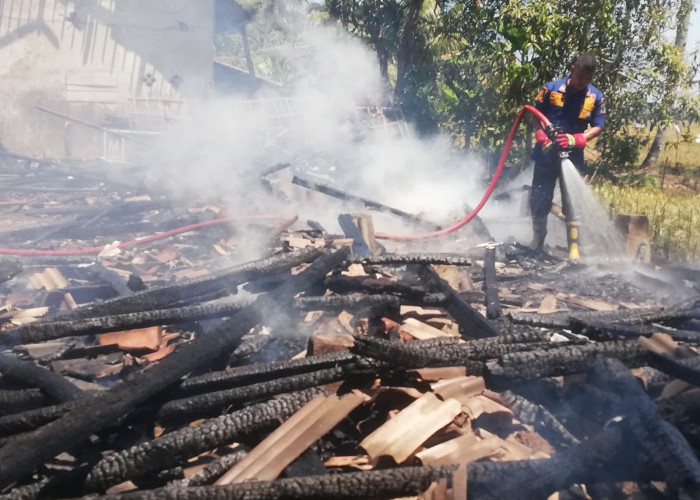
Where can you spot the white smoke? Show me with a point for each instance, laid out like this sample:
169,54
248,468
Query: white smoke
328,126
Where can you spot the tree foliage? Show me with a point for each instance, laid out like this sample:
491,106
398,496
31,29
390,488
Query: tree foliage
468,66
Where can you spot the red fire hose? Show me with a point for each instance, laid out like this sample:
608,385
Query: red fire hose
501,162
84,251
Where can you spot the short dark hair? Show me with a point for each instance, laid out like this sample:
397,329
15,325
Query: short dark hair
586,62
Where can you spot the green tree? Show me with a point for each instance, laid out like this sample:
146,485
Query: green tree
470,65
675,78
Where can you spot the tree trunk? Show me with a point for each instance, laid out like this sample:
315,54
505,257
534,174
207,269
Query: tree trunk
655,149
683,19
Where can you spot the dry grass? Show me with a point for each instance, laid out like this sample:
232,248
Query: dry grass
680,149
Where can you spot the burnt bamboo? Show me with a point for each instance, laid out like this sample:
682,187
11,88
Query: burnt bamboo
261,372
490,286
537,479
193,290
21,456
527,479
472,324
52,384
447,351
213,402
213,471
414,354
566,360
640,316
378,484
448,259
176,447
610,331
13,401
346,284
353,301
661,442
613,331
528,336
42,331
553,320
537,415
30,420
248,347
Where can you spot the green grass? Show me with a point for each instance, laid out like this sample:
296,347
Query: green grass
674,217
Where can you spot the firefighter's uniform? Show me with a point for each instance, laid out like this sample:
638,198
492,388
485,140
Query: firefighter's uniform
569,111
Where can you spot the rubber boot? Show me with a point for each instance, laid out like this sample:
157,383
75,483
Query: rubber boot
539,231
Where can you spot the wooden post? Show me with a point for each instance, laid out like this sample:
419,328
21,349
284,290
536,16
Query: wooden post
366,227
635,230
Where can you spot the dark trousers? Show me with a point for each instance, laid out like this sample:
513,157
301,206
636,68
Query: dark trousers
547,171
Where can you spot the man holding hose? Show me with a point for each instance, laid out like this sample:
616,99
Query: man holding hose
577,110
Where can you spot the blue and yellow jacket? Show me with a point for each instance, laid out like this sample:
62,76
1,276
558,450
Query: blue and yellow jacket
570,111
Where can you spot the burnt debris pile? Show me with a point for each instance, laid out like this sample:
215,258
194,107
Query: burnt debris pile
157,370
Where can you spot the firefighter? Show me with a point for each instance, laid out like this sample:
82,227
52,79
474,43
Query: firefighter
577,110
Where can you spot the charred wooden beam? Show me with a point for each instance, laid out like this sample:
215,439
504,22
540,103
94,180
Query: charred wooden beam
354,301
52,384
493,305
379,484
449,259
527,479
341,195
261,372
176,447
534,479
642,316
111,278
472,324
23,454
566,360
542,419
345,284
194,290
686,369
68,484
41,331
661,442
213,402
683,411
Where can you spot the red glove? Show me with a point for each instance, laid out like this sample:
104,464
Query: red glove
570,141
543,140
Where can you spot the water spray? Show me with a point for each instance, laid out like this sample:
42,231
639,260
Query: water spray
573,224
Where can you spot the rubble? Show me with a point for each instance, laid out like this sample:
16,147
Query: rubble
169,369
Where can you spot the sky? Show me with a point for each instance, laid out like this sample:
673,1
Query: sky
694,31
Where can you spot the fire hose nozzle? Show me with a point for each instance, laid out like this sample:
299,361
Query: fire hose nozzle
551,131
